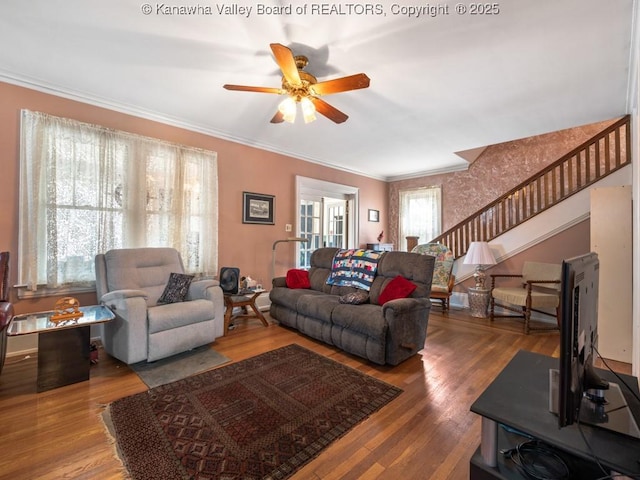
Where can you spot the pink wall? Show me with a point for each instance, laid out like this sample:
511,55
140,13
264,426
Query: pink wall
497,170
240,168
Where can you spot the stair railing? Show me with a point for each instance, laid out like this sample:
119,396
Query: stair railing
601,155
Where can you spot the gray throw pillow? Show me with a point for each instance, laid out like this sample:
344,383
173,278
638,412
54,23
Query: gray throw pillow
355,298
176,289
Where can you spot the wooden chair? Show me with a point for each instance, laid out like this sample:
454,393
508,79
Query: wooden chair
538,292
443,278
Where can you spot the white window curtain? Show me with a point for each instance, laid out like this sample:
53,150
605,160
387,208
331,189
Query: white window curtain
420,214
85,189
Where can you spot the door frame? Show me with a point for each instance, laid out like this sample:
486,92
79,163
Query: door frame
322,188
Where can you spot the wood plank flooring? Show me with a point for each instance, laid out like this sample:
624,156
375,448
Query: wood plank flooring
426,433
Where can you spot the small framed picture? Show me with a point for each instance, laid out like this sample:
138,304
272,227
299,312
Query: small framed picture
374,215
258,208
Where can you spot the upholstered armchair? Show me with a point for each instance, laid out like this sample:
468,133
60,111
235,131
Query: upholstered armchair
539,291
6,307
443,277
153,321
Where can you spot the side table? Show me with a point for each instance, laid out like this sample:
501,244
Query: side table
63,347
479,301
243,299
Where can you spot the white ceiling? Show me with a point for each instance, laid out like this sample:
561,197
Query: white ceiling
439,84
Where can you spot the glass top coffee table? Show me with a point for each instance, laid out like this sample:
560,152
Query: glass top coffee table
63,347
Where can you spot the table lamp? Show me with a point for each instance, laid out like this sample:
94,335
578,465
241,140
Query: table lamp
479,254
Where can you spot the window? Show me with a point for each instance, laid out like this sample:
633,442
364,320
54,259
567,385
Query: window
420,214
85,189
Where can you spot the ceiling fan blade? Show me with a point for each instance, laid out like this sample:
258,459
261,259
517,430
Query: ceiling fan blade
278,117
245,88
328,111
286,62
344,84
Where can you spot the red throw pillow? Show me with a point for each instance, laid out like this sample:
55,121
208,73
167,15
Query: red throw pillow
298,278
399,287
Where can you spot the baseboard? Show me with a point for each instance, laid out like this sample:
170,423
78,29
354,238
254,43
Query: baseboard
263,302
27,350
22,353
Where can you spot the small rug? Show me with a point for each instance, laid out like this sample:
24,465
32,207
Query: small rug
260,418
178,366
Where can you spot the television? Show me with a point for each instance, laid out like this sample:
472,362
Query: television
581,395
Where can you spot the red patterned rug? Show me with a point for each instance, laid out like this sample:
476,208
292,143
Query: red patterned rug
260,418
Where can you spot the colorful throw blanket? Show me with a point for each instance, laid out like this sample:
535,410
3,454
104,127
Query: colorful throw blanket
354,268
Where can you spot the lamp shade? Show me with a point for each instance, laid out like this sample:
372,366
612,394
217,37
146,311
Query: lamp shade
479,253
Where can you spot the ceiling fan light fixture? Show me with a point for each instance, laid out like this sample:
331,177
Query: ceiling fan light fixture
308,110
302,87
288,109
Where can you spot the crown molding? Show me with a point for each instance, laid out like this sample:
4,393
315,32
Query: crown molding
96,101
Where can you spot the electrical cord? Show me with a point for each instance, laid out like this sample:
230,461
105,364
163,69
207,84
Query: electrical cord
604,362
607,475
538,461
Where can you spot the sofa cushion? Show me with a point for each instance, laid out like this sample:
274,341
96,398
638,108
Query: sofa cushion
354,267
177,288
365,319
443,264
298,278
439,289
412,266
399,287
289,297
317,306
145,269
354,298
174,315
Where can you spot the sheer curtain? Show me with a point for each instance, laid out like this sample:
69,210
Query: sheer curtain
85,189
420,214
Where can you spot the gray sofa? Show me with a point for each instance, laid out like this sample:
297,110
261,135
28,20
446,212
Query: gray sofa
387,334
130,281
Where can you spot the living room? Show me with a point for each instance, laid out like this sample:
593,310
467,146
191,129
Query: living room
246,168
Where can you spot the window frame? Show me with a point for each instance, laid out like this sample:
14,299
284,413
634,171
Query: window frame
43,153
402,234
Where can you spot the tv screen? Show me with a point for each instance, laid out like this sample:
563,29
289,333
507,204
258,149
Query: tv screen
581,394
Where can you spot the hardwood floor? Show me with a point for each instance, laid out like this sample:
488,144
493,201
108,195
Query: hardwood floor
428,432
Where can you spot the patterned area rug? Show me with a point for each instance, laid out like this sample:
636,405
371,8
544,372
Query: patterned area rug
261,418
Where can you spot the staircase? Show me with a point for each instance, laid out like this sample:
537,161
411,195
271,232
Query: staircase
598,157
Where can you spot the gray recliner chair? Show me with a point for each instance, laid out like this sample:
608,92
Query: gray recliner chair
130,282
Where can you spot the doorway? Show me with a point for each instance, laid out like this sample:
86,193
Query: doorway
327,216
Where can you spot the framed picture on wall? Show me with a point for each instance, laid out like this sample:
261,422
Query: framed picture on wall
258,208
374,215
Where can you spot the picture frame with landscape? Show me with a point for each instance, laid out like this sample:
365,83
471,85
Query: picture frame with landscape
258,208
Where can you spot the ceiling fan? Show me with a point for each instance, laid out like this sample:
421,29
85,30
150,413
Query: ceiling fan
302,87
